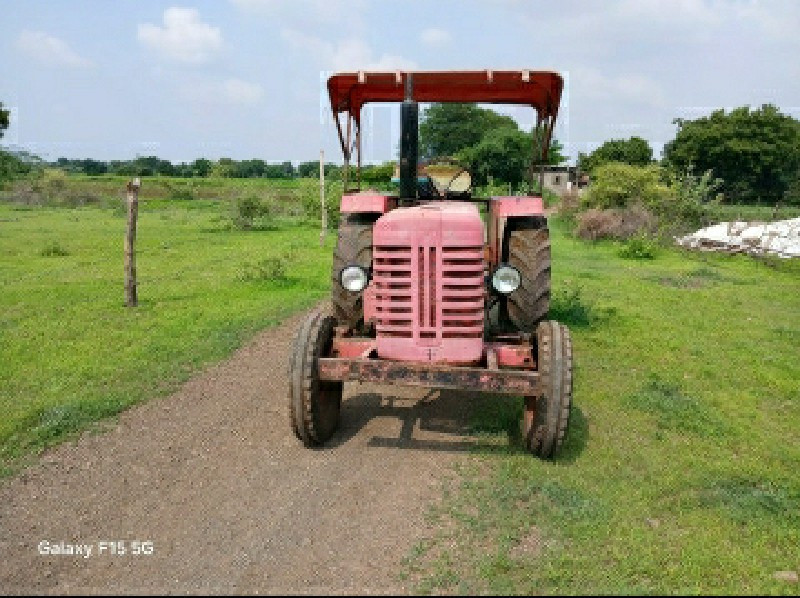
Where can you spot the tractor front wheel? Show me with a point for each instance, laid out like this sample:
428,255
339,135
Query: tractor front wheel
314,404
546,417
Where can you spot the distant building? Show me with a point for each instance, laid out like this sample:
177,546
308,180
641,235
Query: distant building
560,179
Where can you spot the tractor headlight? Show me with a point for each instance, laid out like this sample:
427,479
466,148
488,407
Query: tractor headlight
353,278
506,279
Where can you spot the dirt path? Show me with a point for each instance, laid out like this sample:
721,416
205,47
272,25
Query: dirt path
232,502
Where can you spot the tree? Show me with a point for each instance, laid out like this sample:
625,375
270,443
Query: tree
250,169
755,152
377,174
4,122
202,167
446,129
224,168
504,154
490,144
634,151
93,167
554,155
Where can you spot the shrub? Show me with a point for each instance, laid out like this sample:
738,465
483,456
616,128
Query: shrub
616,223
639,248
693,197
312,206
569,204
617,185
180,192
51,187
625,201
271,269
596,224
251,212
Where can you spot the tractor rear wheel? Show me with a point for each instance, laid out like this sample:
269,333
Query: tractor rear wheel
527,248
314,404
353,248
546,417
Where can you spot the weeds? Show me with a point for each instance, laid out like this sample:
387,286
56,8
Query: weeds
570,307
273,269
639,248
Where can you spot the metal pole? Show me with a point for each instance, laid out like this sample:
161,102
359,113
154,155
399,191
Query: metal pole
130,240
322,197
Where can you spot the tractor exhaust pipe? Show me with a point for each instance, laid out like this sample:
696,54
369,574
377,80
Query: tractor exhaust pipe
409,142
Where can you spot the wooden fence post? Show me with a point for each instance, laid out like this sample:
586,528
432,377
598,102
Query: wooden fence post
130,240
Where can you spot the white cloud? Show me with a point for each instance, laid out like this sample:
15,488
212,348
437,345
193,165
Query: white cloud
236,91
183,38
435,37
49,50
347,55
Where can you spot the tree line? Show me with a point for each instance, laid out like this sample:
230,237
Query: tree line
754,152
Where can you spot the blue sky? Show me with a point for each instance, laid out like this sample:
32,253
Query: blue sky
242,78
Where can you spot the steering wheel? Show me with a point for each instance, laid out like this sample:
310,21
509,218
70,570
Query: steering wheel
448,177
460,183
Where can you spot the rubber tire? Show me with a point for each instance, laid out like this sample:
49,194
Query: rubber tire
546,417
314,404
527,248
353,247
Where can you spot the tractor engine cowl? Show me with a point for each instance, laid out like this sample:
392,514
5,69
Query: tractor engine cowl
428,286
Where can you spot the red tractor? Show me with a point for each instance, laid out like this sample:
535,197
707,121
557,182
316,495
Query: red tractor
425,292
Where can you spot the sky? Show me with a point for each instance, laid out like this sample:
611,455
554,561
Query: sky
245,78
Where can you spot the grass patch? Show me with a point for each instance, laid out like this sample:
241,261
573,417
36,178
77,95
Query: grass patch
746,499
679,471
72,353
674,410
54,249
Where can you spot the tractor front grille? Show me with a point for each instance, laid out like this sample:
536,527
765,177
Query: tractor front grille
429,293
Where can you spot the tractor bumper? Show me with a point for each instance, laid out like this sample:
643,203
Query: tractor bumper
382,371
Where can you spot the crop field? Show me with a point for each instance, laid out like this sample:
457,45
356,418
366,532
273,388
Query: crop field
679,472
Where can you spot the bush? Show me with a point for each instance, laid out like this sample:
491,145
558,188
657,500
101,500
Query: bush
11,167
625,201
250,212
51,187
617,185
312,207
180,192
639,248
273,269
616,223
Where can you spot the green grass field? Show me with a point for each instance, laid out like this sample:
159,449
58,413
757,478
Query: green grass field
71,353
679,473
680,470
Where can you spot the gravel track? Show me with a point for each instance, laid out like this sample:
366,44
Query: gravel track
232,502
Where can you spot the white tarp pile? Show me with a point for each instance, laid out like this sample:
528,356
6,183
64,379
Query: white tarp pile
781,238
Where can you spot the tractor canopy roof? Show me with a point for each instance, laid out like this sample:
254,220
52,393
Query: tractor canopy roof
539,89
